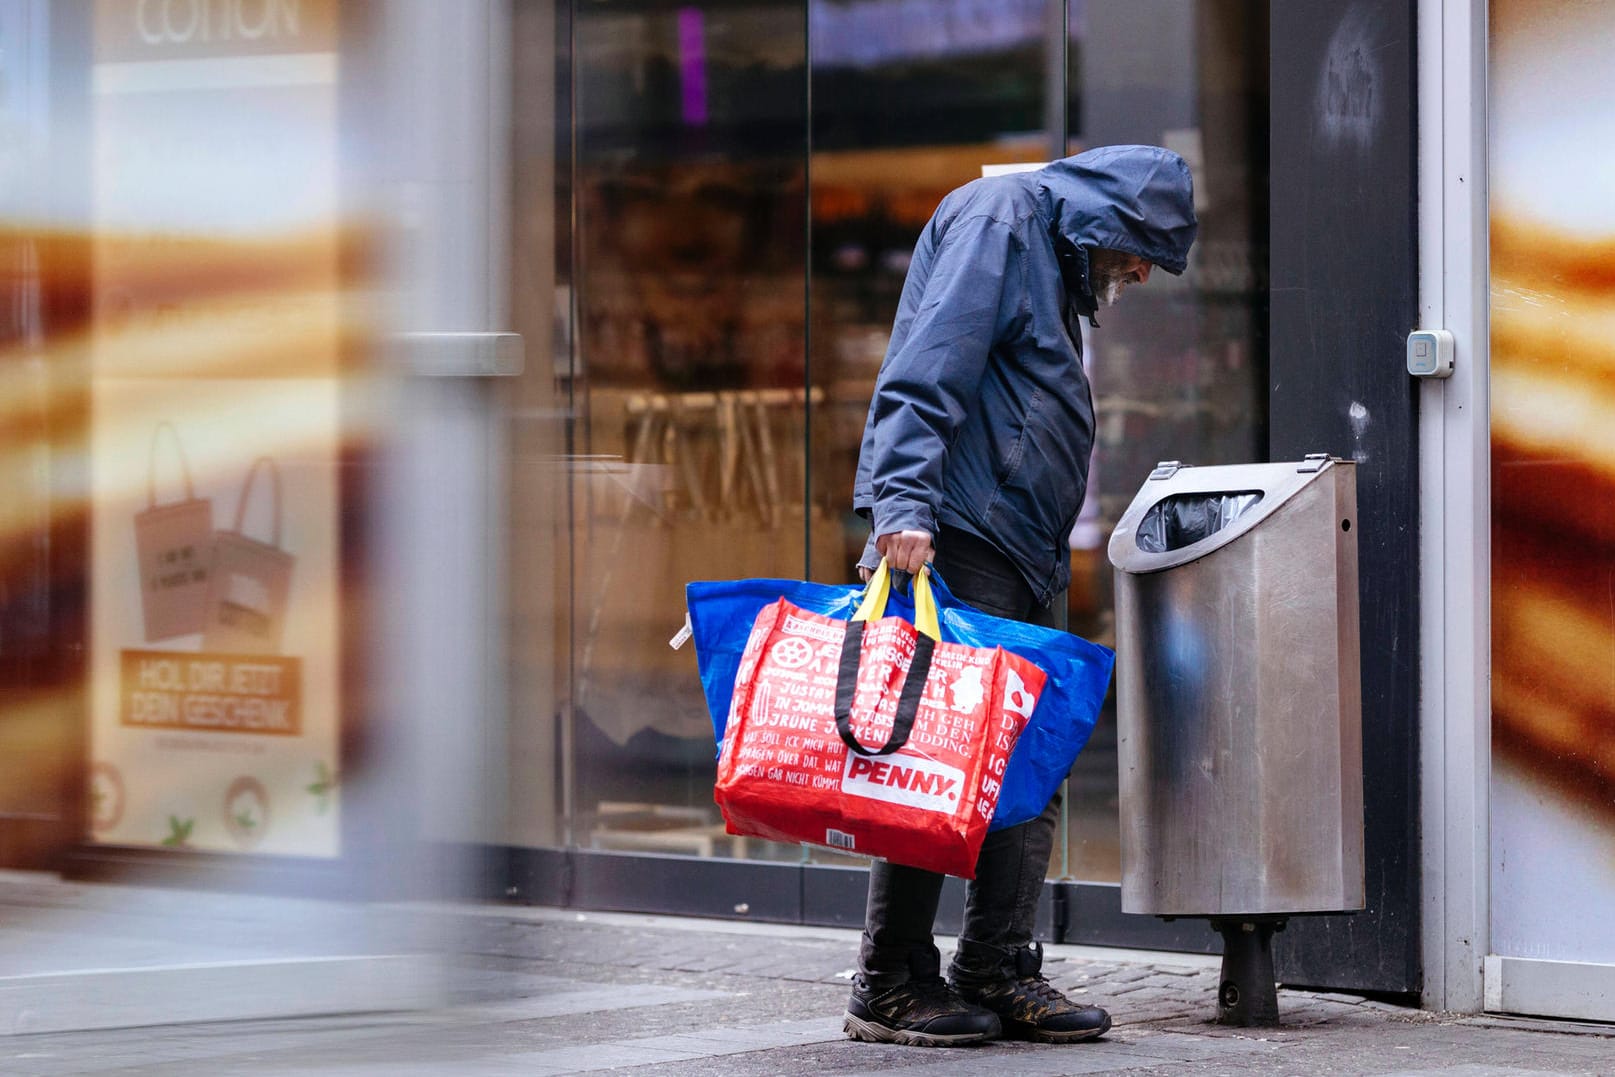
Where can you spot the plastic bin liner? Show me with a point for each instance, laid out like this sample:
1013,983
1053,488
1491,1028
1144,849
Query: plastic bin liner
1184,519
722,614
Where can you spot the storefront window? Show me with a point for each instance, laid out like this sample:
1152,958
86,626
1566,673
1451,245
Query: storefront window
738,187
690,397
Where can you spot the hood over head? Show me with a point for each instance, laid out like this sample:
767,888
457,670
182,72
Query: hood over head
1138,199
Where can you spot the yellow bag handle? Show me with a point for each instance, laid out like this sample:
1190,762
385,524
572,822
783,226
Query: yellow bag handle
879,589
925,618
876,591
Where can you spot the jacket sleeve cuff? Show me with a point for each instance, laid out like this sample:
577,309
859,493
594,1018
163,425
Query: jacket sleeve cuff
871,556
893,516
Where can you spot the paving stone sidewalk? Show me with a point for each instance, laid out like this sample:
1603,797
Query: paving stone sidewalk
545,992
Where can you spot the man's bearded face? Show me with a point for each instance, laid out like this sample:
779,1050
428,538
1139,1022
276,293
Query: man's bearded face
1107,288
1110,272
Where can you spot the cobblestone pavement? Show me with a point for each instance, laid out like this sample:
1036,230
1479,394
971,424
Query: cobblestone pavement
542,992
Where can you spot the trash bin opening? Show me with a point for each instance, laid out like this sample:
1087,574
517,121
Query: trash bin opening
1184,519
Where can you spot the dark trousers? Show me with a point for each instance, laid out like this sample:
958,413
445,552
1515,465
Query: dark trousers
1001,902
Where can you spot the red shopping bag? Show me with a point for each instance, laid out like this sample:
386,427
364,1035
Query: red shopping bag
870,736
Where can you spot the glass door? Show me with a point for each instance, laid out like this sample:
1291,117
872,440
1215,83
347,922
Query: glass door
666,440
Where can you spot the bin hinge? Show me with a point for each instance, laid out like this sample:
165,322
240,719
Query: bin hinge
1165,469
1313,461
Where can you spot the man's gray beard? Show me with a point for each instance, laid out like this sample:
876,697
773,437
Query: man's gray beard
1107,289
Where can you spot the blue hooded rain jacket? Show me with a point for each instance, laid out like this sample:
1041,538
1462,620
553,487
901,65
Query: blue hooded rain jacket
982,417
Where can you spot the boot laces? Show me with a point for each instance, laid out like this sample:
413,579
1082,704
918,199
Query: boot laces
1039,986
931,988
924,996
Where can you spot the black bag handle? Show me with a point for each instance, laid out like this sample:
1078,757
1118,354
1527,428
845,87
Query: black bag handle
908,702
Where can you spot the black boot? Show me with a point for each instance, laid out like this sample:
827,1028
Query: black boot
924,1012
1011,984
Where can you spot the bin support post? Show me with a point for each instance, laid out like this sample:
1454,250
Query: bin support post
1246,992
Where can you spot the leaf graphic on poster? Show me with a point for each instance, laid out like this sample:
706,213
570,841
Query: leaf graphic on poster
323,785
179,832
245,821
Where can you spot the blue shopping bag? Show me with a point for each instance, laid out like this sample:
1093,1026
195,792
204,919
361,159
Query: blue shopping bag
721,616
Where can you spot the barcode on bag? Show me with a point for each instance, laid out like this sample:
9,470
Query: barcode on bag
838,840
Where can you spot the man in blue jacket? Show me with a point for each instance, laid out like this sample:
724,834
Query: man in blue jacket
976,451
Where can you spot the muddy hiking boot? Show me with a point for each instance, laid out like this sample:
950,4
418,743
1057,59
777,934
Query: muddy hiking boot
924,1012
1028,1006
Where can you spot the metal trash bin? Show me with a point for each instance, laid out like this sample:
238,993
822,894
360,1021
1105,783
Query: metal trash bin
1239,699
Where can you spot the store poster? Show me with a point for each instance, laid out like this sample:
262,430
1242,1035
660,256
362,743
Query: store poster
218,326
1552,115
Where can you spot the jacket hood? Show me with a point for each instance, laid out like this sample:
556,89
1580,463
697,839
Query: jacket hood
1138,199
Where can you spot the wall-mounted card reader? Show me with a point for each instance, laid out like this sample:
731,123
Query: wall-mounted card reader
1430,353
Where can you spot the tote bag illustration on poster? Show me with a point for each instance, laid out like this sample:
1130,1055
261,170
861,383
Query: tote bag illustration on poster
174,545
871,736
246,602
